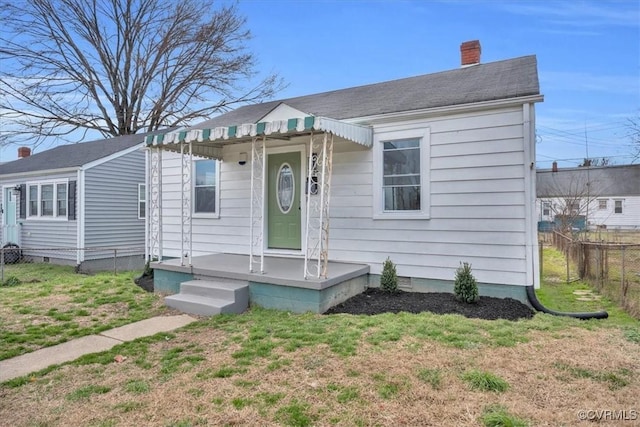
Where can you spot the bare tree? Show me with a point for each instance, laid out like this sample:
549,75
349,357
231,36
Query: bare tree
633,124
568,196
121,66
597,161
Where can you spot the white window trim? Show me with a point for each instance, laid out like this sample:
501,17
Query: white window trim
143,200
424,135
212,215
40,217
621,206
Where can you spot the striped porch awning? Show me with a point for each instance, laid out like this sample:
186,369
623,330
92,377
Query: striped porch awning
208,142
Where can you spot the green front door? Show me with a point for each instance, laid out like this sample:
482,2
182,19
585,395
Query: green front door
283,195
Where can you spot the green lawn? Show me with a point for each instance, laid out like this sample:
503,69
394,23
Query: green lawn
556,294
272,368
48,304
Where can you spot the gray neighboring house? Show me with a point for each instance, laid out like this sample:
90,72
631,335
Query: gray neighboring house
607,197
89,195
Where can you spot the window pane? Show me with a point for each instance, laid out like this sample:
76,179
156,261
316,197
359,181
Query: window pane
143,210
401,162
205,172
402,180
285,189
33,200
602,204
402,198
402,143
618,206
205,199
141,193
61,195
46,195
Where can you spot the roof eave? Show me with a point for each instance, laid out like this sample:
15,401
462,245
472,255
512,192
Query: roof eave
447,109
39,172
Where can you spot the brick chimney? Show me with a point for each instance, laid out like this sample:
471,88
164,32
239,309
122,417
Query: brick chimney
470,53
554,167
24,152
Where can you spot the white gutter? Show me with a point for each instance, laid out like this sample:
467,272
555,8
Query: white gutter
531,242
39,172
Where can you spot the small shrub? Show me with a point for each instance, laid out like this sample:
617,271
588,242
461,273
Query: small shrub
11,281
389,278
466,287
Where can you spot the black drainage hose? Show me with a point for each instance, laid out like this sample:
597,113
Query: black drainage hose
533,300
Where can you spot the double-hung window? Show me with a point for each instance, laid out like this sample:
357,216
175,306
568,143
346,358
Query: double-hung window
47,200
617,206
546,208
401,174
142,201
206,192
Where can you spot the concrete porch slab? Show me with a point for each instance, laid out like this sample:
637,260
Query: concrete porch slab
278,270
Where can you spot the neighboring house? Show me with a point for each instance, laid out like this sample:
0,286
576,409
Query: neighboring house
594,197
89,196
313,193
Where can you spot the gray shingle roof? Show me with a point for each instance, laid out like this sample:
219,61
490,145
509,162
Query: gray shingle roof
605,181
73,155
484,82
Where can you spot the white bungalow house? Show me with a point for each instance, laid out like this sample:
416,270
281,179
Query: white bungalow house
78,204
296,203
595,197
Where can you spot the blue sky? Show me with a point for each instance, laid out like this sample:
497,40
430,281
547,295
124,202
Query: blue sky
588,56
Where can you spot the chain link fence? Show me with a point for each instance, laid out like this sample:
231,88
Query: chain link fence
85,260
613,268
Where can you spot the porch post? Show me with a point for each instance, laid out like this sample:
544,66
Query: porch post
185,196
318,195
155,209
256,224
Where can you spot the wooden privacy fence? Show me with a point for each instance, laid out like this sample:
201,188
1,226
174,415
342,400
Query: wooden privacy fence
612,268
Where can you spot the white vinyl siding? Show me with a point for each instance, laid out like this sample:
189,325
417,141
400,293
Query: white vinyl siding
629,219
473,175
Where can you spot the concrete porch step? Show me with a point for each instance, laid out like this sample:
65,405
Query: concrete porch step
211,297
218,288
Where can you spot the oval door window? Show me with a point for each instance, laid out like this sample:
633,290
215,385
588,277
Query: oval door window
285,188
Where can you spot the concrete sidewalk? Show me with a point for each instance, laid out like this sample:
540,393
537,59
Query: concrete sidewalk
71,350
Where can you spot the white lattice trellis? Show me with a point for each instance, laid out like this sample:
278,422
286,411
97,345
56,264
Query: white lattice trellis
155,208
320,165
258,182
186,230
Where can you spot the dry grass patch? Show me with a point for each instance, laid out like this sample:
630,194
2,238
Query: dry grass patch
61,305
232,372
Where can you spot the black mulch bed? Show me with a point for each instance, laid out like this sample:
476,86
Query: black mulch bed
376,301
